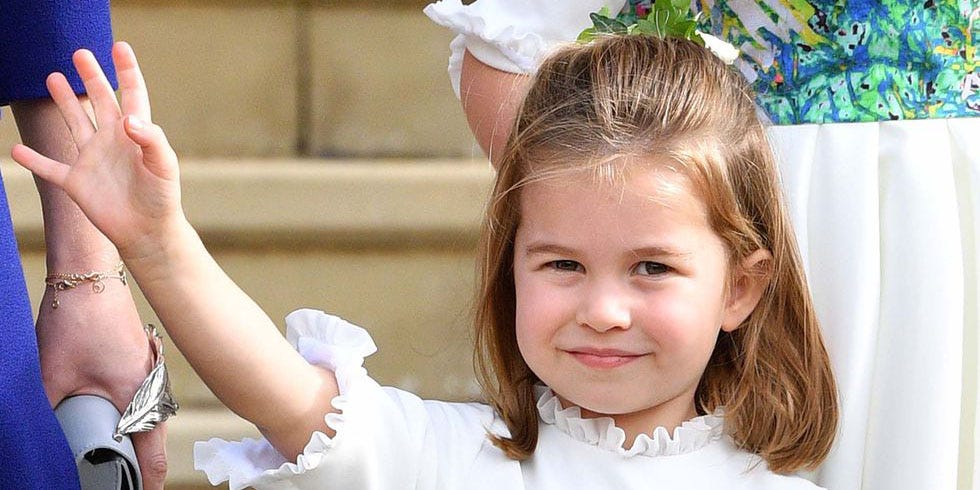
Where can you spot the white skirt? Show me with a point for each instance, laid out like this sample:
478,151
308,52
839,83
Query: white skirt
886,217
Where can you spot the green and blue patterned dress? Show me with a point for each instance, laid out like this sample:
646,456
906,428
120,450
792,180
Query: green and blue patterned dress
852,60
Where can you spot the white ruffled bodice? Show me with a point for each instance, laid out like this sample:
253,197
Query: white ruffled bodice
390,439
603,433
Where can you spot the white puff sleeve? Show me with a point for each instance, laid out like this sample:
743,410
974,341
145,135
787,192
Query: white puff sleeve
385,438
512,35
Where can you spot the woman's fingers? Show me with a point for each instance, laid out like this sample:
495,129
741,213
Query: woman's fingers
98,88
50,170
78,121
132,87
151,452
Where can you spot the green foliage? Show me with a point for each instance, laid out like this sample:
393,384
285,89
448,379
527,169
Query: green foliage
667,18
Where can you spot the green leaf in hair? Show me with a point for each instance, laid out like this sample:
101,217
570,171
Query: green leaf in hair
666,18
607,25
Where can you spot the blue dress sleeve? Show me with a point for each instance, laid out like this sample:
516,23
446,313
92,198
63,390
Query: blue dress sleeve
38,37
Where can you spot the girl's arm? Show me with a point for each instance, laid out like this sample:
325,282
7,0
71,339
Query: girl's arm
227,338
125,180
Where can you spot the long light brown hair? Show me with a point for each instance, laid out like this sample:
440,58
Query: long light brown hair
645,96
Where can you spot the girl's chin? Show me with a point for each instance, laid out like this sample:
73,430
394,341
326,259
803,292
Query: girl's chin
669,413
594,406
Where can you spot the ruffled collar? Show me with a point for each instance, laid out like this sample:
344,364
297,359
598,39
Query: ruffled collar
690,436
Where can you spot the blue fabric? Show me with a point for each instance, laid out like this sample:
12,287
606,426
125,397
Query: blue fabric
33,451
37,37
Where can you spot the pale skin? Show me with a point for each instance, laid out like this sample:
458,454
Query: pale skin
125,180
622,290
93,344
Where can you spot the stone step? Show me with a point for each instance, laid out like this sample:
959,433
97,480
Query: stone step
388,245
294,78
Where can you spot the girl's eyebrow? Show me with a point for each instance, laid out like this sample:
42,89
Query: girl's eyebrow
544,248
659,251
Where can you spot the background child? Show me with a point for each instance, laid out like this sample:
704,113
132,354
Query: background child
640,297
875,116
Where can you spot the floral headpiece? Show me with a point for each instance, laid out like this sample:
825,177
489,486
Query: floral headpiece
662,18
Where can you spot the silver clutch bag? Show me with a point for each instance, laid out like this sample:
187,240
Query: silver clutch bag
104,463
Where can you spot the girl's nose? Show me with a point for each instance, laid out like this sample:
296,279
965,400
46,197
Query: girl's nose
604,307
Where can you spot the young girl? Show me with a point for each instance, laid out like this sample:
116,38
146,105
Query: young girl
884,210
642,321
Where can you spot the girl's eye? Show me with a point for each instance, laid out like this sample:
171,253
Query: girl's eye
648,268
566,265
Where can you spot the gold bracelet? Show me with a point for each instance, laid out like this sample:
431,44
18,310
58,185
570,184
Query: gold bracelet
62,282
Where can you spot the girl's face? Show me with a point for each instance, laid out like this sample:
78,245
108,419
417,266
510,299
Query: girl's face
621,293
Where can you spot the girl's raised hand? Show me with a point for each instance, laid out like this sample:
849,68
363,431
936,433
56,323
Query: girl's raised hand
125,178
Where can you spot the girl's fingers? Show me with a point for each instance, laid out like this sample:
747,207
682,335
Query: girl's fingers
132,87
97,86
76,118
50,170
158,156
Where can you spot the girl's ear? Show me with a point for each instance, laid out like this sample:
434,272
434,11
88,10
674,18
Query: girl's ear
752,277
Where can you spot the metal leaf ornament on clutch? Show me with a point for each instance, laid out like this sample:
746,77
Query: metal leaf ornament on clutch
153,402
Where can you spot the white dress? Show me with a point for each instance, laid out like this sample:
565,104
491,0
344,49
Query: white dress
886,215
388,439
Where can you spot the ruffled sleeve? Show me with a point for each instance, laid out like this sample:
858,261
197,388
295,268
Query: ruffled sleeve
385,438
512,35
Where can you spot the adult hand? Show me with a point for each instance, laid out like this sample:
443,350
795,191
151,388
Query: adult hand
93,343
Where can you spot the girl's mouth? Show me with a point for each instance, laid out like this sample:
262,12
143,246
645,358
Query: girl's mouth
603,359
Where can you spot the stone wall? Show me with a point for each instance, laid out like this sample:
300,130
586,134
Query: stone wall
295,79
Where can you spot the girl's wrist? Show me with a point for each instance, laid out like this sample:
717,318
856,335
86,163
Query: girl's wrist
159,255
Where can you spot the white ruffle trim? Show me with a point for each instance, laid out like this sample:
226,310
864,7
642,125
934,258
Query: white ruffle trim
509,36
520,46
512,35
602,432
323,340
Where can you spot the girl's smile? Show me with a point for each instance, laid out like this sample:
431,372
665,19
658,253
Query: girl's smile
621,293
601,358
